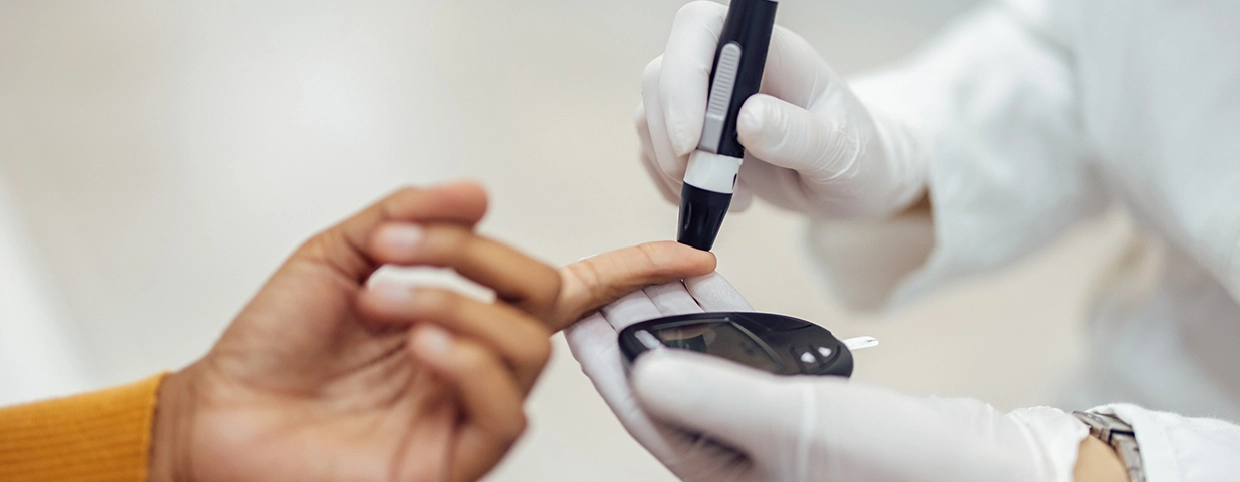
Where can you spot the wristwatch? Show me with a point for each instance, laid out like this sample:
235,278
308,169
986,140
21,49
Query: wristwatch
1119,435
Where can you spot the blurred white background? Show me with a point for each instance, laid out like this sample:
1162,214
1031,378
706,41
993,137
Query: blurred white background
159,159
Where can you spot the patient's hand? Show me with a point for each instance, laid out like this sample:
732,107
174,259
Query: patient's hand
323,378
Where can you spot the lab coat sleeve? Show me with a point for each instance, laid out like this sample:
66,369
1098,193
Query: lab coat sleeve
992,106
1175,448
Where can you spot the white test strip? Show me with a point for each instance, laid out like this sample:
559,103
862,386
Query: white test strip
861,343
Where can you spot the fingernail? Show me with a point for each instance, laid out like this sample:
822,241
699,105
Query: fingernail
401,236
391,293
433,340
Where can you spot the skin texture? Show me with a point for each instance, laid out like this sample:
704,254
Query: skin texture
321,377
1098,462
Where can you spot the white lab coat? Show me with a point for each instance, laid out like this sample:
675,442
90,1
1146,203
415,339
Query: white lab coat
1042,113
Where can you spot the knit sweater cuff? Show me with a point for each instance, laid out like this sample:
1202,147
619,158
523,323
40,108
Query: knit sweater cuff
104,435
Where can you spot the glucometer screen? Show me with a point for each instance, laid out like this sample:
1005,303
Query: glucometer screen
721,339
779,344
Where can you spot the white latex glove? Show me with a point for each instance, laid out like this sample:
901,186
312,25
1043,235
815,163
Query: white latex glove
811,145
802,428
593,343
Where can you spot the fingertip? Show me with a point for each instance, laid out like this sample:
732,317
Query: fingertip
685,388
682,114
755,118
678,258
469,193
663,372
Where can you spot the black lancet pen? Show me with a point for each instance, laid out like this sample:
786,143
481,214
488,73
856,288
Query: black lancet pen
735,76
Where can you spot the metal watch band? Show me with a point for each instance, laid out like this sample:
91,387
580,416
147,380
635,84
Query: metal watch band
1119,435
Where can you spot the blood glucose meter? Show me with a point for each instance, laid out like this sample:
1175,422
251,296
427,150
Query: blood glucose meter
778,344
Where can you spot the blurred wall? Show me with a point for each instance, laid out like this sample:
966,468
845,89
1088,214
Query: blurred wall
162,158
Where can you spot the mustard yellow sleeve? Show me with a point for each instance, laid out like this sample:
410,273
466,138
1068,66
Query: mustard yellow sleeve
104,435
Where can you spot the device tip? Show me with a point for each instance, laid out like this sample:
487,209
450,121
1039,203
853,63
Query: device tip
701,215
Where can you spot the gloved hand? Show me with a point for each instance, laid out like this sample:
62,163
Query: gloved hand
802,428
593,343
811,145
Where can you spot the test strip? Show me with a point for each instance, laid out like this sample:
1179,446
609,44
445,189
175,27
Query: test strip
861,343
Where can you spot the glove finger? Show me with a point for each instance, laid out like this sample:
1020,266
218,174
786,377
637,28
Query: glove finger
685,389
668,187
672,165
779,186
714,293
789,136
672,299
685,77
633,308
794,70
592,341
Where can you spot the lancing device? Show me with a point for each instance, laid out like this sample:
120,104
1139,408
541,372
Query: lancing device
735,76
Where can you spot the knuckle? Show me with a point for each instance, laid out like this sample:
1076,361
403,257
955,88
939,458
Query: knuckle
314,246
586,272
537,352
650,77
332,249
650,256
652,68
514,425
404,191
641,122
544,298
402,196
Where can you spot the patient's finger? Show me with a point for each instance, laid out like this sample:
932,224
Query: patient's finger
343,246
593,282
522,341
492,402
516,278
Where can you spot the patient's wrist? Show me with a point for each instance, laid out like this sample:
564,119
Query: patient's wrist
170,428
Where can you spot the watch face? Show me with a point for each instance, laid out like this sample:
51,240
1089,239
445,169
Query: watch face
769,342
